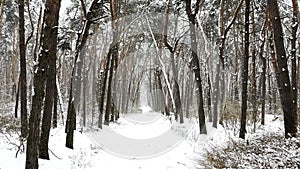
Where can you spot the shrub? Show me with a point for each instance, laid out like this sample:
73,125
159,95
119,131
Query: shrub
260,151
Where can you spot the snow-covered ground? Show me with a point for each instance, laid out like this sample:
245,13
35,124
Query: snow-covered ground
138,141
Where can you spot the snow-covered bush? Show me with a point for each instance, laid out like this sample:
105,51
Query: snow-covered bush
9,123
270,150
230,116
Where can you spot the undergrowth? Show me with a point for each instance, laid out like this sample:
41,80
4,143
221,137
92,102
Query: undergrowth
8,123
270,150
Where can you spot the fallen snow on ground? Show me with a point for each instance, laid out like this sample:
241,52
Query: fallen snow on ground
141,141
144,140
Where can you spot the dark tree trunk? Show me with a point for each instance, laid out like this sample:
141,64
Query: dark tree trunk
70,124
17,100
295,25
48,52
195,62
114,57
245,72
210,116
284,85
103,88
55,102
71,116
50,84
48,107
22,79
110,77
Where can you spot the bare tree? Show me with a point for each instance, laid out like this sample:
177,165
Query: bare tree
223,32
282,74
81,42
22,78
40,78
264,67
295,24
245,71
172,50
195,60
50,84
114,6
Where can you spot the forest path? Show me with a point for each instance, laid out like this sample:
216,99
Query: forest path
141,136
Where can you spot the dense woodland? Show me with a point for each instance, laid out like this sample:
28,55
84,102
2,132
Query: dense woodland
225,62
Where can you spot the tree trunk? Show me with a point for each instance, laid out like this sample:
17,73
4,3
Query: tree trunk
55,102
263,73
253,78
71,116
48,51
195,63
48,107
102,89
295,25
110,77
17,100
176,90
51,82
245,72
22,78
284,85
216,95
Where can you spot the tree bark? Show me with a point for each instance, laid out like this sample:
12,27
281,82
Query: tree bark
51,81
110,77
195,62
71,115
48,51
284,84
102,89
114,57
22,78
295,25
264,72
253,78
172,50
55,102
245,72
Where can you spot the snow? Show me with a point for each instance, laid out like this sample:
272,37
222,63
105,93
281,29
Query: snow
141,140
64,5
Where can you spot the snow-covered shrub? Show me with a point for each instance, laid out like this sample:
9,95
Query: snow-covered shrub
268,150
230,116
9,123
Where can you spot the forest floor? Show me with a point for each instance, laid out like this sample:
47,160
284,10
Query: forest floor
144,140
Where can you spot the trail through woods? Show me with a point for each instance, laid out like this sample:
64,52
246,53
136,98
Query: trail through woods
139,140
123,143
